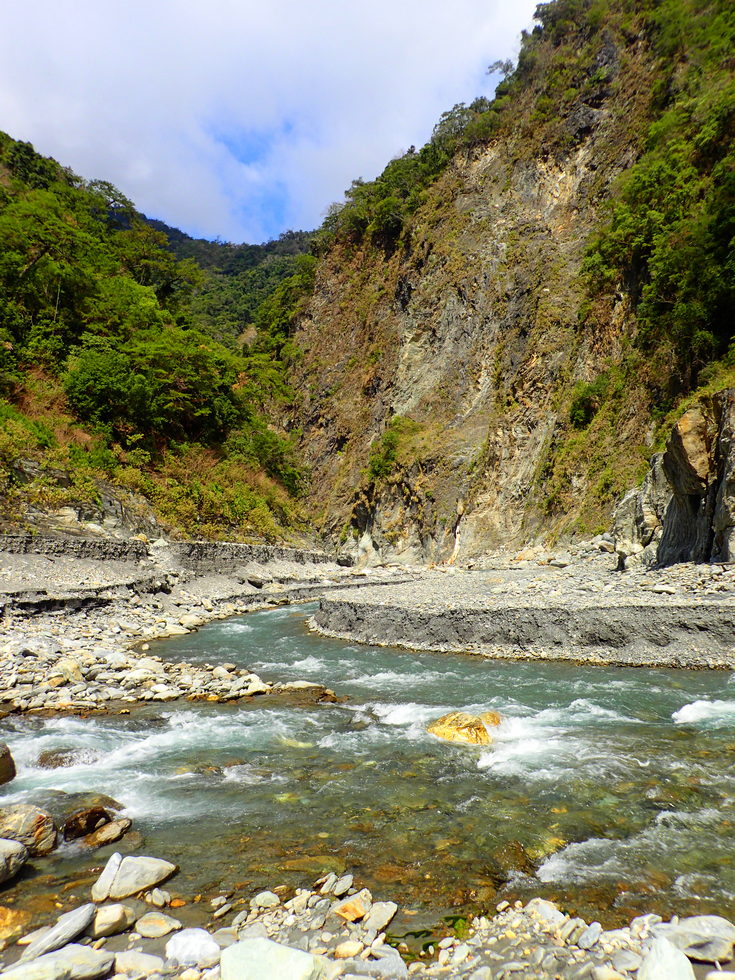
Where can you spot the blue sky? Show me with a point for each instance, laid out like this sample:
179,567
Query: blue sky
236,119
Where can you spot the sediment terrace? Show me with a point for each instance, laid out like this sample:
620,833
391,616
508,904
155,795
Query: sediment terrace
679,617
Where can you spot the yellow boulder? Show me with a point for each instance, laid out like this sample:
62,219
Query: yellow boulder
460,726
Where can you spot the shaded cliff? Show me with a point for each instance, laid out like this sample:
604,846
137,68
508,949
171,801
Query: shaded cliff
685,508
464,386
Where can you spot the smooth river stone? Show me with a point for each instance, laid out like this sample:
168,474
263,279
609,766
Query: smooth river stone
128,876
193,947
705,938
13,855
112,919
71,963
262,959
663,960
68,926
137,964
153,925
379,916
101,887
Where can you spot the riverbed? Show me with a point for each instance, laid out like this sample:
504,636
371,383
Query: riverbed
605,788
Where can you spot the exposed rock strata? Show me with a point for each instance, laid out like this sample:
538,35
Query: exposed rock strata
685,509
595,615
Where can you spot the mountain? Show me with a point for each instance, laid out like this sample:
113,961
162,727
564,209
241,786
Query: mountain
480,348
505,323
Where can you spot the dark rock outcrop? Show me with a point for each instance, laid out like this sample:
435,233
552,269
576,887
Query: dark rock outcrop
685,508
7,765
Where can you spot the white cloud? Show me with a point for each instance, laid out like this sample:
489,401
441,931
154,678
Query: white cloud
162,96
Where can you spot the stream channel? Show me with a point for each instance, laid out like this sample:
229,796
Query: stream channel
618,783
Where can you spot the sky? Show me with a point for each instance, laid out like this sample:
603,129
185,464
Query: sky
237,119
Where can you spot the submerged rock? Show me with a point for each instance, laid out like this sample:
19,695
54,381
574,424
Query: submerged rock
460,726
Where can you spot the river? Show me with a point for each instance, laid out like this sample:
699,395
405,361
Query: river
618,783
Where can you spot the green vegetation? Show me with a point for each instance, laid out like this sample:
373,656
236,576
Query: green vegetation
670,241
94,302
386,452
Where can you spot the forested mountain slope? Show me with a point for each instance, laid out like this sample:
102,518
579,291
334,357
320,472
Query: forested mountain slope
479,348
120,364
502,323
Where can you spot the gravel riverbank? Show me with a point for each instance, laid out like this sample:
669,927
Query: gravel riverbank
583,610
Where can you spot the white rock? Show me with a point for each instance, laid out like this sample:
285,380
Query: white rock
262,959
193,947
663,961
101,887
68,927
71,963
265,900
137,874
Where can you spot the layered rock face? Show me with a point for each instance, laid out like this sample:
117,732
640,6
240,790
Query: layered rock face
685,509
467,335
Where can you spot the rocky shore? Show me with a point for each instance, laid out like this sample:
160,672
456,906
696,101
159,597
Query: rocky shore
551,607
134,928
76,639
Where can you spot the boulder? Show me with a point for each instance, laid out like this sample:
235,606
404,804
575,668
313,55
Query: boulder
704,938
262,959
68,926
13,855
126,876
7,765
30,825
663,961
85,822
193,947
72,963
460,726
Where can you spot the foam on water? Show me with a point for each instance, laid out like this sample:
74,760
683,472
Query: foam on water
715,713
234,628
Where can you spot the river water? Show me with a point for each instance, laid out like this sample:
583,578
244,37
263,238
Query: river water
618,783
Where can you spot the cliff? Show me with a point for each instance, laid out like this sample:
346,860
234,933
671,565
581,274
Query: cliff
463,387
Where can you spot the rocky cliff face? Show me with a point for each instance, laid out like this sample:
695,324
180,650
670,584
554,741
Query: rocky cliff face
685,509
438,378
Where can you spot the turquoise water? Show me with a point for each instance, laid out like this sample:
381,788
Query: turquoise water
618,783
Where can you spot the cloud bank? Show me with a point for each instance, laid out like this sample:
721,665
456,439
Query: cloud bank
238,119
